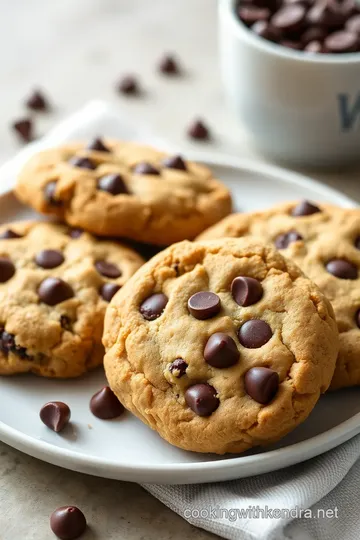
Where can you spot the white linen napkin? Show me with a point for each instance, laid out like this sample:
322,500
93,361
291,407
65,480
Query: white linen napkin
325,488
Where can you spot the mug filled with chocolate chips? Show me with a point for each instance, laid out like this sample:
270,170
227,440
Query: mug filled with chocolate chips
291,70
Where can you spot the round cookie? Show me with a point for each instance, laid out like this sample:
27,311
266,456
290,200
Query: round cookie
220,346
55,285
125,190
324,240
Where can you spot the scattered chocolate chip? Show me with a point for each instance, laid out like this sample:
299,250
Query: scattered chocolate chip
204,305
305,208
353,24
65,322
289,18
24,128
169,66
98,145
342,269
178,367
266,30
82,163
246,291
108,290
112,183
315,47
202,399
49,258
7,344
251,14
7,269
129,86
68,522
174,162
75,233
55,415
37,101
105,405
325,14
153,306
107,269
221,351
145,168
49,193
314,33
254,334
342,42
199,131
261,384
282,241
9,234
53,291
296,45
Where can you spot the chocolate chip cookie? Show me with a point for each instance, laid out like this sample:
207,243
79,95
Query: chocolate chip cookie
324,241
120,189
220,345
55,284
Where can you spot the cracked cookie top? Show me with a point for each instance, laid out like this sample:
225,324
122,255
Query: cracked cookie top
121,189
324,241
220,345
55,284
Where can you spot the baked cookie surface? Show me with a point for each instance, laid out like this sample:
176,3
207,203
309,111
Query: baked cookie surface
324,241
220,346
120,189
55,285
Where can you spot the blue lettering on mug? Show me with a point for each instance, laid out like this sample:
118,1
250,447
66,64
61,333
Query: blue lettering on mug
349,110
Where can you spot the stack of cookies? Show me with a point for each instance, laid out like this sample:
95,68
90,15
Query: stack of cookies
219,344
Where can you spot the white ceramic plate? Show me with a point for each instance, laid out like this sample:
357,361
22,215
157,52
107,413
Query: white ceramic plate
125,449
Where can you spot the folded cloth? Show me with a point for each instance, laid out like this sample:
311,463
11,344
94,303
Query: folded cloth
315,500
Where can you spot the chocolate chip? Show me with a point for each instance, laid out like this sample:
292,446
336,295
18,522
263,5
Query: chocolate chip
341,42
68,522
7,344
353,25
261,384
37,101
296,45
251,14
204,305
49,258
128,86
178,367
174,162
98,145
153,306
82,163
55,415
49,193
202,399
305,208
254,334
7,269
282,241
108,290
289,18
112,183
315,47
65,322
198,130
315,33
325,14
246,291
75,233
145,168
24,128
9,234
105,405
168,65
342,269
107,269
221,351
53,291
266,30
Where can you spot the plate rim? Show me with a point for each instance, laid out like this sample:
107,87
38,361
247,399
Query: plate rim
233,467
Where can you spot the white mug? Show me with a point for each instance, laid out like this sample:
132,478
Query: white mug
298,107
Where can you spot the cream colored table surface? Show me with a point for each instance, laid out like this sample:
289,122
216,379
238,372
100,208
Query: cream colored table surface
76,50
